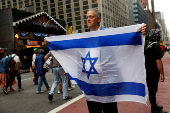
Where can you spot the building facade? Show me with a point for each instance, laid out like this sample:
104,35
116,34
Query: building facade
151,20
115,13
149,8
144,3
160,17
140,15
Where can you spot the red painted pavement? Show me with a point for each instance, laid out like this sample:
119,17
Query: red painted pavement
163,98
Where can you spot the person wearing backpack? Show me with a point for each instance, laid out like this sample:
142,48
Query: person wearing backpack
4,74
15,70
39,62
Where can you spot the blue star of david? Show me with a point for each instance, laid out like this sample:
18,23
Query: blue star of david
92,70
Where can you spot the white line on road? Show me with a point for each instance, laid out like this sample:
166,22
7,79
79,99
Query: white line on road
27,79
66,104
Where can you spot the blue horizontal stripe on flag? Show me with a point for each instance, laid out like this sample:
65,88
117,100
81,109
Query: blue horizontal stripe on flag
123,88
133,38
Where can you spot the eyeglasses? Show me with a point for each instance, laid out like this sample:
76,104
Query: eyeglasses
90,17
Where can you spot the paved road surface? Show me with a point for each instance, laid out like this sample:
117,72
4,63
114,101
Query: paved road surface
30,102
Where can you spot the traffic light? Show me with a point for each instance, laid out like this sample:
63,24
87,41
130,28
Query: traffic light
70,30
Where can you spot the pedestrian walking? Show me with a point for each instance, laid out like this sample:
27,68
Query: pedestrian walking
15,70
4,74
59,73
70,87
93,17
35,79
39,62
154,67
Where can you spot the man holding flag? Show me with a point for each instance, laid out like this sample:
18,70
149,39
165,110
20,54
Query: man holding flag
103,75
93,22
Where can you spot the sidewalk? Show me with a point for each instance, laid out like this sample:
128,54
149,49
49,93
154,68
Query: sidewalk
163,98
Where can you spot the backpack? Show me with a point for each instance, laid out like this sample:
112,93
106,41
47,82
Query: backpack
10,61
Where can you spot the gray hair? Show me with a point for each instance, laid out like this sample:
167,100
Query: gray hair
98,13
40,51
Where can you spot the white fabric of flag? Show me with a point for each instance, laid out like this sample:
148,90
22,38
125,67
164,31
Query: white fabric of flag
107,65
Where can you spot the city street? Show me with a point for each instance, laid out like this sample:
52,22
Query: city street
30,102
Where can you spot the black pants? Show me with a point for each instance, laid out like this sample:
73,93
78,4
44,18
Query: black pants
152,83
96,107
12,76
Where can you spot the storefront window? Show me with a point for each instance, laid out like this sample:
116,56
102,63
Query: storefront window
76,4
60,8
77,13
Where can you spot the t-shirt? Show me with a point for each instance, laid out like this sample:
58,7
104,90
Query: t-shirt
33,57
54,60
151,55
16,59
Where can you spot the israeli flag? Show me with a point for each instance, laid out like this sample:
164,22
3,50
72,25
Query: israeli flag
107,65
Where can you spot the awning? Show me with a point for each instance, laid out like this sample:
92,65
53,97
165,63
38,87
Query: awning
32,46
36,15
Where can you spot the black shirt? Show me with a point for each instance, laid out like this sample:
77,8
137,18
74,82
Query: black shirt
151,55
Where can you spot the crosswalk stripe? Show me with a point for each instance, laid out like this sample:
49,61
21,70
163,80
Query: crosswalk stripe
66,104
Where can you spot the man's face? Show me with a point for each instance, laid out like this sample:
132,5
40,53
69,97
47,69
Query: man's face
92,19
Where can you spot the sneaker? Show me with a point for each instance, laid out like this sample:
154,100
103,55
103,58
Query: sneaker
49,88
38,92
159,107
12,89
5,91
68,97
59,91
50,97
21,89
159,111
71,88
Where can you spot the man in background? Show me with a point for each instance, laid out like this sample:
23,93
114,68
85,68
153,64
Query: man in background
35,79
154,67
93,17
